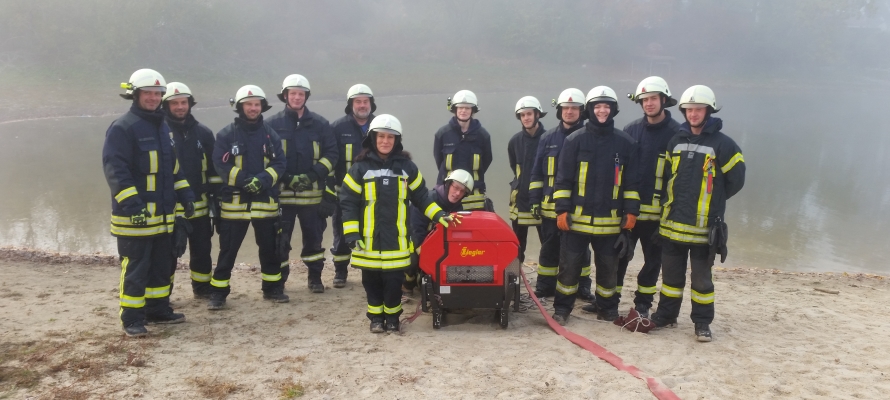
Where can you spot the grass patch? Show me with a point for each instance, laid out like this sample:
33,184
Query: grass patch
290,390
214,388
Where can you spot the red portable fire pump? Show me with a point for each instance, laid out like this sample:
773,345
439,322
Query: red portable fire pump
472,265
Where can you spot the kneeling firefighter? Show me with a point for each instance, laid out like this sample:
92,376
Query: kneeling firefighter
596,197
249,157
707,168
375,198
447,196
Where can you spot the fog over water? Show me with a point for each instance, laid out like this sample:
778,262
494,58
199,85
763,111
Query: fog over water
800,84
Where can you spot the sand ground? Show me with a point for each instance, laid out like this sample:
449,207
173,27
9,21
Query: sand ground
775,336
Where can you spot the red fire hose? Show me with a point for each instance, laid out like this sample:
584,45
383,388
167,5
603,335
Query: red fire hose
660,391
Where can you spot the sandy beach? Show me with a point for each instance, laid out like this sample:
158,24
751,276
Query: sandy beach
775,336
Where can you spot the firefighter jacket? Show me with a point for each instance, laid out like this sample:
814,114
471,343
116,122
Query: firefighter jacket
243,151
652,139
469,151
349,135
421,225
310,148
142,173
374,199
521,152
597,180
706,170
193,144
543,174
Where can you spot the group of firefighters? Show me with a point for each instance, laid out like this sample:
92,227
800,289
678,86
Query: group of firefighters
583,185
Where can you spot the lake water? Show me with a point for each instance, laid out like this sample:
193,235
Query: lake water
816,198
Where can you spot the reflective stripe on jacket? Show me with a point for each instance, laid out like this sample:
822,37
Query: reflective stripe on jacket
598,179
259,155
652,139
543,177
470,151
706,170
374,198
310,148
142,173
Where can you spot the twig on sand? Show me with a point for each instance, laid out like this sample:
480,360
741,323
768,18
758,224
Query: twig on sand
829,291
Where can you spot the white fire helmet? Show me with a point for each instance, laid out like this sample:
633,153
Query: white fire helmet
176,90
386,123
294,81
529,102
248,92
463,98
602,93
462,177
569,97
699,94
653,85
143,79
359,90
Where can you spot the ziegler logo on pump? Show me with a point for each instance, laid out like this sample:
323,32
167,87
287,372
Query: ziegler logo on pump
465,252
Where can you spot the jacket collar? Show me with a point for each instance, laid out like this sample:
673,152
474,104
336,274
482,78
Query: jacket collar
713,125
662,124
155,117
474,126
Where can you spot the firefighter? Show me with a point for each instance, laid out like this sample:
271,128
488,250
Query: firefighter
248,156
349,131
569,110
707,168
596,197
141,170
311,151
374,198
449,197
193,144
464,144
652,132
521,153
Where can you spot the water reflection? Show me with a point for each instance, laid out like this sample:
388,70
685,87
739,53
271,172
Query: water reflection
817,195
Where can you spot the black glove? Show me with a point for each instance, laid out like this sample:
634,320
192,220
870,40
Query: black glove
328,205
717,236
488,205
357,245
140,217
625,245
189,209
282,239
181,230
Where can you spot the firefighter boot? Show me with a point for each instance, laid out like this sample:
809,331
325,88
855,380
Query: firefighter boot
201,290
663,322
392,326
167,317
607,315
591,308
584,293
643,310
561,318
217,301
276,295
702,332
136,330
340,279
315,285
377,325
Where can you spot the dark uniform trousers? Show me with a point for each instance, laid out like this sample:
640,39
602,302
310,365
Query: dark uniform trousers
231,235
576,256
674,256
521,232
146,267
312,226
550,258
340,249
647,279
200,260
384,292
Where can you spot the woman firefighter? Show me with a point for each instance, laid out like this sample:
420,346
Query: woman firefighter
374,199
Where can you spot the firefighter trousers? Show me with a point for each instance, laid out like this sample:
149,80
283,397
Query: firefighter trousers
550,257
384,291
521,232
146,267
231,235
200,260
340,249
575,247
647,279
674,258
312,226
